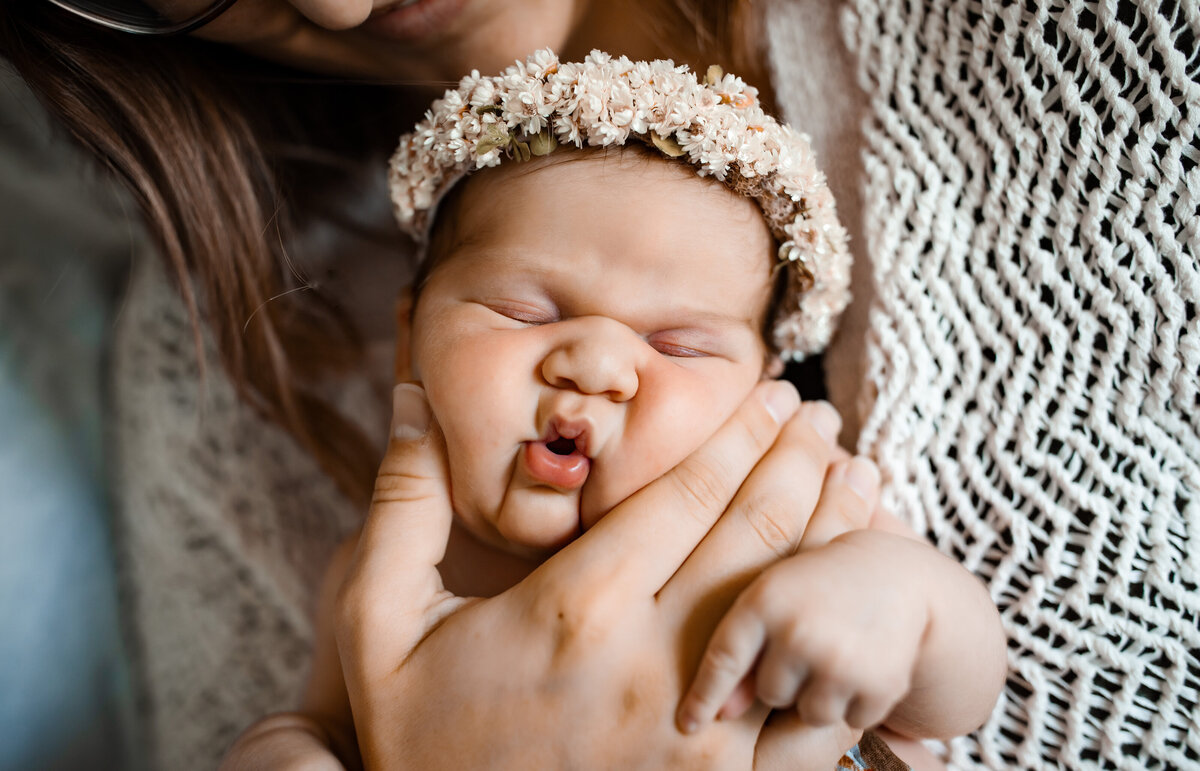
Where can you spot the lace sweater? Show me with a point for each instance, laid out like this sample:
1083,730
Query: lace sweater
1022,358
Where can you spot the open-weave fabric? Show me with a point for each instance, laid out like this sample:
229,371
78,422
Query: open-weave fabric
1031,214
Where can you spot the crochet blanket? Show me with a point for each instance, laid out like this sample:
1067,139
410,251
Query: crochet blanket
1033,352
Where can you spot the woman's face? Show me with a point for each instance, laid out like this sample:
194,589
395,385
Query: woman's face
403,41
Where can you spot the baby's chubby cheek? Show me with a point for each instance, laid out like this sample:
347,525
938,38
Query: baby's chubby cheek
643,456
608,488
667,425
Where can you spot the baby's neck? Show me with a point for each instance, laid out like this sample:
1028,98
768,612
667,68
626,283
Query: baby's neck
472,568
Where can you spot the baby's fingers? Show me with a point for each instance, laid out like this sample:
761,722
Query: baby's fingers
731,653
823,701
867,710
782,670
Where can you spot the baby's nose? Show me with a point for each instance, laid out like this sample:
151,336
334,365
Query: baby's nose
595,355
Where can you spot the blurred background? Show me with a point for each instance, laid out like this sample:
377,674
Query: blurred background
65,695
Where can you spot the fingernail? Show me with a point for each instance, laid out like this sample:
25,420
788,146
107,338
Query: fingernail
688,724
410,412
781,400
862,476
825,420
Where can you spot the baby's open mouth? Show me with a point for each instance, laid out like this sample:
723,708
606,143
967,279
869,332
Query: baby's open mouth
561,446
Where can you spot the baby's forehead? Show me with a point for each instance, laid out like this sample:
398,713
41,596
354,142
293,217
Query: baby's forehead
569,184
603,168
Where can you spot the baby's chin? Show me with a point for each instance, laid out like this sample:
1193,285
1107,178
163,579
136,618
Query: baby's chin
533,523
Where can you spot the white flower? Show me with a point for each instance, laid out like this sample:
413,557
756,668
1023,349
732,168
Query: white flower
482,92
526,107
543,62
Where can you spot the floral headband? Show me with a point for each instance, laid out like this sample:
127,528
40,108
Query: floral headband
716,125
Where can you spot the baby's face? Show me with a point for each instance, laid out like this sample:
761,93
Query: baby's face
596,321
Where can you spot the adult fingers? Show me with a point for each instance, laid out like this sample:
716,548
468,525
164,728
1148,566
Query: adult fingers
764,523
766,518
647,537
786,740
403,368
848,499
393,582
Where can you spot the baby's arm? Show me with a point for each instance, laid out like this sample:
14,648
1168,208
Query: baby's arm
873,627
320,735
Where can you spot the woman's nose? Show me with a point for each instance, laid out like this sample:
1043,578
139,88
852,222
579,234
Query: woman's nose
595,356
334,14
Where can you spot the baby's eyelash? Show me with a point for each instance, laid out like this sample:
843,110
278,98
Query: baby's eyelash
677,351
524,314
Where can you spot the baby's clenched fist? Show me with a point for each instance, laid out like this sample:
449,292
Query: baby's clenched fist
836,632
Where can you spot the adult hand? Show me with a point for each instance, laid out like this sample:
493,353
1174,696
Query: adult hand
583,663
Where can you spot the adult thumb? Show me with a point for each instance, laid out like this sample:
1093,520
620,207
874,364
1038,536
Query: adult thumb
393,584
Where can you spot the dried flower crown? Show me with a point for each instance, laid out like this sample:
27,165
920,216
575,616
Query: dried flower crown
716,125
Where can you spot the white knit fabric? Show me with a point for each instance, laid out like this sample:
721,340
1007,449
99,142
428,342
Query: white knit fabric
1031,215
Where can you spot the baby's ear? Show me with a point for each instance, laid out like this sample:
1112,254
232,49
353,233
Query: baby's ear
404,304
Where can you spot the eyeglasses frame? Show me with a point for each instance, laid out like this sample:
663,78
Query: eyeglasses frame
218,7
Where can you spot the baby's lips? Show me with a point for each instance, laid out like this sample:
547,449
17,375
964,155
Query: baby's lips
579,430
565,472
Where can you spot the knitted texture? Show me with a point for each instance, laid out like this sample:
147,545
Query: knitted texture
223,525
1031,211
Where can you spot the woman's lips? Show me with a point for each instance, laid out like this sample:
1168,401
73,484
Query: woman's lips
566,472
413,22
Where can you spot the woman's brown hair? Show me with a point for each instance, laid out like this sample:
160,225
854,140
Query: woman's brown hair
207,140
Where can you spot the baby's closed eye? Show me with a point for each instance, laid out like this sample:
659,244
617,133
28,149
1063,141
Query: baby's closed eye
682,344
676,350
524,312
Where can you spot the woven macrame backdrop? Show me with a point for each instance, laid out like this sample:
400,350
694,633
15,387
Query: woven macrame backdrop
1031,212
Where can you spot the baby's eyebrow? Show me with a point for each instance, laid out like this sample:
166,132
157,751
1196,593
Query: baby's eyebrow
509,259
703,317
702,321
